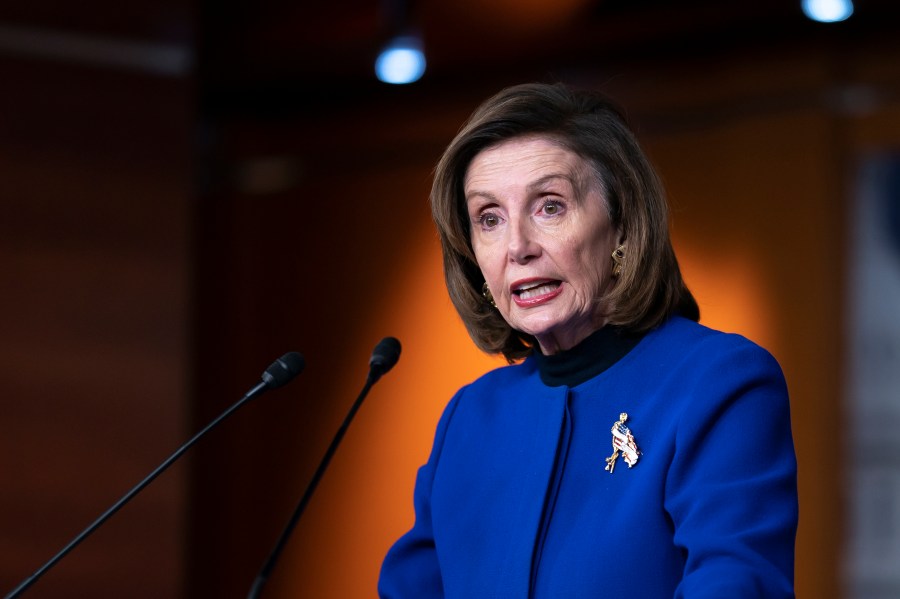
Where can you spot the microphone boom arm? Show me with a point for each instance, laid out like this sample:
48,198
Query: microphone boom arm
269,565
385,356
280,372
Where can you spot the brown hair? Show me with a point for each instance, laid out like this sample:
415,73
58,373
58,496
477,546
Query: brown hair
650,287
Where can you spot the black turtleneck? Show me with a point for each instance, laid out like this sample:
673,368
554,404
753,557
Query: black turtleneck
593,355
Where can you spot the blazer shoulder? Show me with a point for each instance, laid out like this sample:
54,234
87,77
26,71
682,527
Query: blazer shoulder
697,341
503,376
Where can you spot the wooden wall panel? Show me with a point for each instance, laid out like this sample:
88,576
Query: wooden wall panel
94,256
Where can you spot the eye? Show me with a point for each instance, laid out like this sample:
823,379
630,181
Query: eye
551,208
488,220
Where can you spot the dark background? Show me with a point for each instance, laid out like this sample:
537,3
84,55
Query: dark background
191,189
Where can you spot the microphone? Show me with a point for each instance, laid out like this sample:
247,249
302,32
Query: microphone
282,371
384,357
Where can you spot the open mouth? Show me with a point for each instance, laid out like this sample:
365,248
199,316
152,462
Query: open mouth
535,289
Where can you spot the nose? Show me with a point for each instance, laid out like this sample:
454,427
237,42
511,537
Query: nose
522,243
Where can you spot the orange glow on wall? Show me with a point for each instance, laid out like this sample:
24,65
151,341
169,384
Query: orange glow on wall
364,502
730,289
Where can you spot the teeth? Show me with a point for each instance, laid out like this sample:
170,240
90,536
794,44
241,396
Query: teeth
537,291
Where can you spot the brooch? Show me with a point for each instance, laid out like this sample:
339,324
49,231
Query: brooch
622,442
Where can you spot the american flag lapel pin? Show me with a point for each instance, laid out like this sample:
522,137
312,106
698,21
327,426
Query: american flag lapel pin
623,442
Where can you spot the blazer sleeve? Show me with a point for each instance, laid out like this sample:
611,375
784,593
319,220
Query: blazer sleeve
731,490
411,568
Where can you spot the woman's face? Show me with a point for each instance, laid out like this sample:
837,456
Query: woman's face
542,238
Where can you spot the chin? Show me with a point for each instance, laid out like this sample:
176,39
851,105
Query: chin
541,329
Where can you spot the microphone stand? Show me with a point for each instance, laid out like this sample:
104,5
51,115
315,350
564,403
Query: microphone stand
269,565
275,376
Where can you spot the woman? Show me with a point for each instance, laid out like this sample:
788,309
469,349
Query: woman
631,452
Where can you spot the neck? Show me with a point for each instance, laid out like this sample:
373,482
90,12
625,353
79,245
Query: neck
555,342
592,356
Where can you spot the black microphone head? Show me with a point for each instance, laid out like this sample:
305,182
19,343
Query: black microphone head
385,355
283,370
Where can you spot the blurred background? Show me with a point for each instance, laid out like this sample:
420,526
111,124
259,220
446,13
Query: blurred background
191,189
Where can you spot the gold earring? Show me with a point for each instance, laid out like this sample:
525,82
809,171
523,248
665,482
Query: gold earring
486,292
618,257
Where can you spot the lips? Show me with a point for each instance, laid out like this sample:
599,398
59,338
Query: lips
535,291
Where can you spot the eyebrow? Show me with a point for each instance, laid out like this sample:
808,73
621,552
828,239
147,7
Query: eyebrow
534,185
531,187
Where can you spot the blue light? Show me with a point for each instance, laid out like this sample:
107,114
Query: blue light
402,61
828,11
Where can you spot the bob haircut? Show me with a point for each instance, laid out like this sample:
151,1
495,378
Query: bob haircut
650,287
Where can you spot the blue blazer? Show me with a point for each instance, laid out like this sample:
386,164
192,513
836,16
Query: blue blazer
515,502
